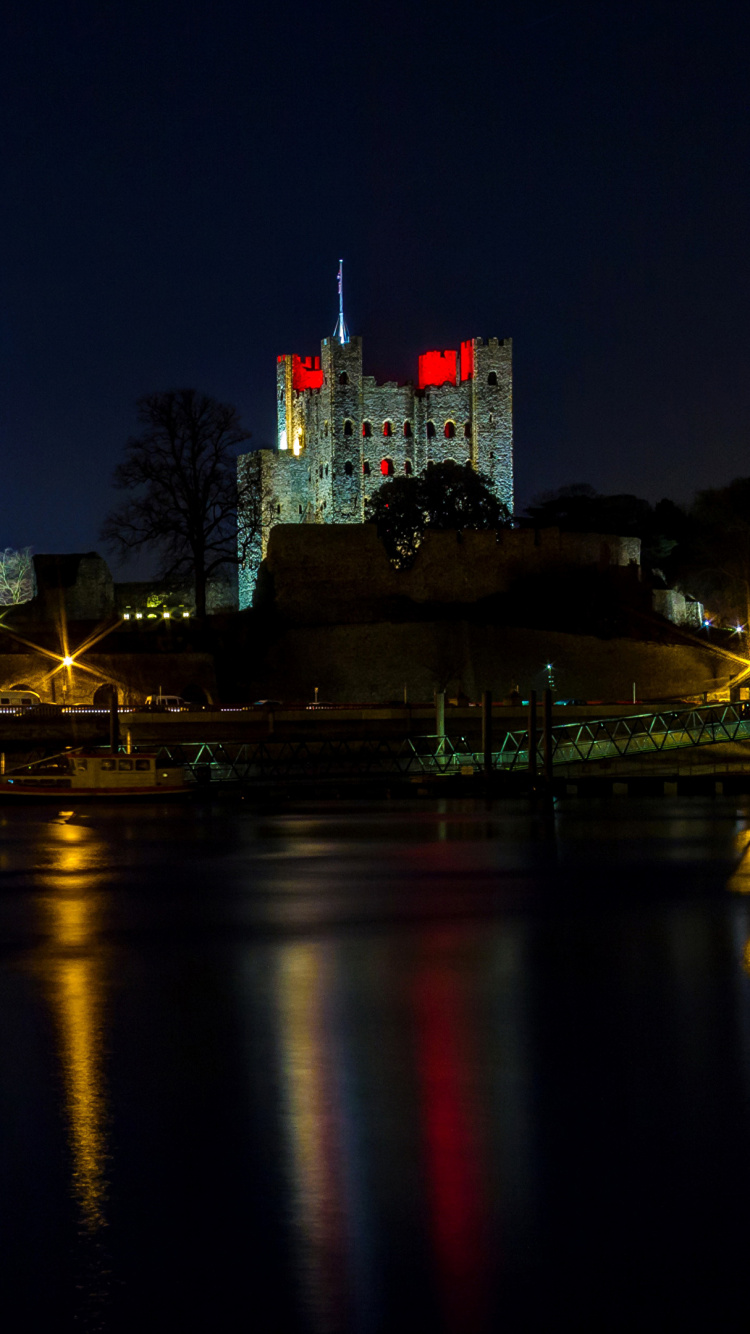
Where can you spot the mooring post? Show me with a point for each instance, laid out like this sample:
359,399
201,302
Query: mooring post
440,721
532,740
114,722
487,730
547,741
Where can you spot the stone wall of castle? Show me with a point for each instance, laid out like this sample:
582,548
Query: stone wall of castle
343,574
378,663
341,435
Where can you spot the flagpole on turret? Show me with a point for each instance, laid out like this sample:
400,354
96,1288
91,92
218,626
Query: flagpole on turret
341,332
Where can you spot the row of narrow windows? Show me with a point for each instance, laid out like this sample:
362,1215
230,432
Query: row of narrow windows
449,430
387,468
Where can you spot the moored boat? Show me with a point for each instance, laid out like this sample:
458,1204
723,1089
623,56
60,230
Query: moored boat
86,774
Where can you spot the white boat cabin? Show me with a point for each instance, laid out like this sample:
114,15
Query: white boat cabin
82,771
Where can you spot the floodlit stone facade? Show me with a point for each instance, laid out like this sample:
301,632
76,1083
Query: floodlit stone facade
340,435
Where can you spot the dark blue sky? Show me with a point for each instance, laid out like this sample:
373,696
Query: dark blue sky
180,178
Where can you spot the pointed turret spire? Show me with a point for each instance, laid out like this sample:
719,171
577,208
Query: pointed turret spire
341,332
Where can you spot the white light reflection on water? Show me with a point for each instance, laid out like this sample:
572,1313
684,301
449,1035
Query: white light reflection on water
304,978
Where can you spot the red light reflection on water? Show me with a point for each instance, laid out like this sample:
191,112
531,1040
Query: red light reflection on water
450,1122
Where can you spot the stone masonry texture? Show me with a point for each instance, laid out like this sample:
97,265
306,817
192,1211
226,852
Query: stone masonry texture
338,442
329,575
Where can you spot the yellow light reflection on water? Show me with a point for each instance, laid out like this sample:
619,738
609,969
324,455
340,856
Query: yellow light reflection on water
739,880
72,965
78,1004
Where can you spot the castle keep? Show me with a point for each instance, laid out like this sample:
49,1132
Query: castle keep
340,435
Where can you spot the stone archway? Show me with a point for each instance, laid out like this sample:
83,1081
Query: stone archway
103,695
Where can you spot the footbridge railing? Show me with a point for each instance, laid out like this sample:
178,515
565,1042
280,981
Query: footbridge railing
581,742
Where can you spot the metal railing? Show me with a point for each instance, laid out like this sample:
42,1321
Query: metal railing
584,742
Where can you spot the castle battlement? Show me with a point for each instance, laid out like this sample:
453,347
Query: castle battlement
340,434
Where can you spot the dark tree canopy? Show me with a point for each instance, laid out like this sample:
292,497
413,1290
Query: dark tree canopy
665,529
445,495
718,556
180,478
580,509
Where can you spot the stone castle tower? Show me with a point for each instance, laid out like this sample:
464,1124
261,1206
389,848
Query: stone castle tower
340,435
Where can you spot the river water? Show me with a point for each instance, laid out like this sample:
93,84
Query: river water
448,1066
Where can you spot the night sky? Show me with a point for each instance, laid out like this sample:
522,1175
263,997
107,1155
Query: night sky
180,178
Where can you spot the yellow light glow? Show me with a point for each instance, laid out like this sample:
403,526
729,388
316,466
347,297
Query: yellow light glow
139,615
67,661
126,617
165,614
296,449
185,615
74,970
78,996
282,440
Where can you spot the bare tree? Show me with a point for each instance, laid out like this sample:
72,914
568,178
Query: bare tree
180,474
17,581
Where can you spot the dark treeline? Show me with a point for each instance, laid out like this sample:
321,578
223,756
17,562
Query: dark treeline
702,548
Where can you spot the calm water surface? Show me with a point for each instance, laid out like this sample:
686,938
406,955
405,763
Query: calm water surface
444,1067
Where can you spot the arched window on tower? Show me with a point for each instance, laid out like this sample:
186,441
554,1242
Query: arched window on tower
408,468
387,429
450,430
430,430
386,467
492,377
343,378
467,430
348,469
347,428
407,430
365,469
366,430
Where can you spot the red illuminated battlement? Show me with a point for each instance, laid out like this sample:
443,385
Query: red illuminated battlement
306,373
437,368
467,360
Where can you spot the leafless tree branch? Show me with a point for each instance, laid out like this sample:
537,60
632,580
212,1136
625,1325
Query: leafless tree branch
179,476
